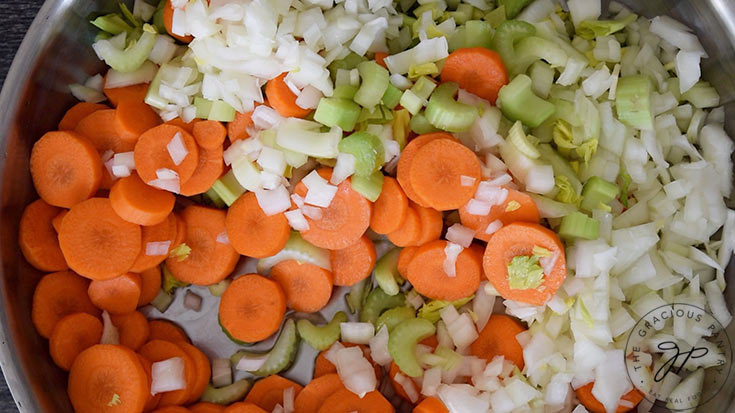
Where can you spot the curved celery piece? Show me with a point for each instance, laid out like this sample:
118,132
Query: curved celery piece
534,48
509,32
233,339
597,191
514,7
391,97
474,33
401,121
633,101
339,112
377,302
321,337
368,186
579,225
162,301
420,125
228,394
112,23
394,316
590,29
349,62
518,102
368,152
296,248
386,272
228,188
375,81
221,111
305,137
218,289
357,295
431,310
344,92
280,356
445,113
402,343
152,97
518,138
170,283
131,58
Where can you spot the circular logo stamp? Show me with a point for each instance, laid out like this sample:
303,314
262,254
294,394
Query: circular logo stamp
678,356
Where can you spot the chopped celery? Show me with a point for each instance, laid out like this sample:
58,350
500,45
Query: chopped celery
247,173
298,249
349,62
338,112
633,101
534,48
596,192
129,15
368,186
218,289
375,81
560,166
701,95
474,33
130,59
158,22
542,78
625,180
221,111
590,29
181,252
102,36
170,283
394,316
228,188
445,113
566,192
524,272
402,344
517,137
297,135
430,311
358,294
212,198
420,125
204,107
401,120
495,17
423,87
152,97
579,225
435,12
228,394
507,34
162,300
113,24
411,102
321,337
391,97
402,42
345,92
462,14
368,152
513,7
377,302
386,272
280,356
518,102
379,114
425,69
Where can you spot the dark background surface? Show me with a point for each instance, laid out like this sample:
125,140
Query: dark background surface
15,17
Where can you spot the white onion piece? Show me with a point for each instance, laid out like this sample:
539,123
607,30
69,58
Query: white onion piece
86,94
475,207
110,333
500,180
493,227
400,81
126,159
163,51
462,330
266,118
95,82
171,185
482,306
272,160
355,370
222,238
221,372
120,171
431,381
540,179
461,235
251,363
168,375
296,220
273,201
463,398
309,98
157,248
409,387
717,304
489,193
176,149
144,74
278,409
343,169
466,180
298,200
166,173
357,333
192,301
288,399
548,263
451,252
379,347
312,212
331,353
320,193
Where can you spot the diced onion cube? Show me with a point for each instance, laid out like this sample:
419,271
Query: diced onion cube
176,149
168,375
157,248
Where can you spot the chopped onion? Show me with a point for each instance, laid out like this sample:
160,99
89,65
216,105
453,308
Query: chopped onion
272,160
168,375
221,372
343,169
475,207
120,171
95,82
355,370
466,180
495,195
273,201
309,98
125,159
144,74
296,220
461,235
288,399
409,387
400,81
86,94
166,173
110,333
251,363
157,248
192,301
548,263
463,398
482,306
176,149
222,238
431,381
171,185
451,252
357,333
266,118
379,347
493,227
319,192
462,330
717,304
540,179
312,212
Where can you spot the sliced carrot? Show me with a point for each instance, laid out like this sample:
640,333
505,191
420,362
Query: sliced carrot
431,405
202,367
345,401
410,232
210,261
380,58
353,264
252,308
172,409
133,93
426,272
66,168
209,169
405,162
78,112
132,118
390,209
498,338
72,335
585,396
432,224
133,329
99,128
308,287
247,226
312,396
161,232
108,378
159,350
150,285
243,407
404,258
343,222
137,202
478,70
151,153
168,20
118,295
166,330
282,99
527,211
398,387
437,171
56,296
152,399
519,238
96,242
238,128
268,392
209,134
56,221
180,230
205,407
37,237
189,127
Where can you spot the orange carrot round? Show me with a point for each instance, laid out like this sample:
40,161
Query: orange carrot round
172,409
56,296
238,128
405,162
478,70
253,233
78,112
313,395
96,242
202,367
390,209
132,118
189,127
132,93
166,330
151,153
66,168
307,287
519,238
159,350
243,407
208,170
432,224
161,232
404,258
431,405
426,272
133,329
282,99
205,407
37,237
56,221
168,20
150,285
152,399
409,233
268,392
99,128
252,308
585,396
380,58
209,134
345,401
498,338
117,295
137,202
526,212
72,335
353,264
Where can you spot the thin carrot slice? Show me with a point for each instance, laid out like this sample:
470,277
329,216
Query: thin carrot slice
478,70
99,128
151,153
209,169
390,209
96,242
72,335
431,224
37,237
108,379
523,209
238,128
137,202
247,225
252,308
353,264
427,274
345,401
168,20
404,258
118,295
405,162
585,396
202,367
437,171
132,118
498,338
66,168
205,407
161,232
243,407
520,238
133,329
166,330
152,399
189,127
308,287
133,93
430,405
159,350
150,285
209,134
268,392
409,233
56,221
312,396
78,112
210,260
282,99
58,295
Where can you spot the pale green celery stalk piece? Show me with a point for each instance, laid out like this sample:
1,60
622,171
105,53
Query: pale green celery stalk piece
170,283
368,186
507,34
296,248
394,316
359,292
445,113
228,394
221,111
535,48
162,300
321,337
579,225
368,152
386,272
377,302
130,59
280,356
590,29
228,188
518,102
633,101
218,289
112,23
375,81
402,344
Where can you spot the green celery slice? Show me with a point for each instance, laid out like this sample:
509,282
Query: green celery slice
162,300
507,34
597,191
420,125
358,294
221,111
411,102
579,225
130,59
474,33
368,186
280,356
633,101
345,92
375,81
298,249
518,102
423,87
401,121
321,337
391,97
228,394
377,302
534,48
702,95
590,29
112,23
338,112
430,311
402,344
445,113
204,107
391,318
386,272
228,188
368,152
170,283
158,22
349,62
513,7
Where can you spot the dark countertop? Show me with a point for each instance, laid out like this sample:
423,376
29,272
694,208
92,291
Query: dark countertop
15,17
